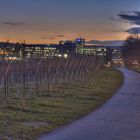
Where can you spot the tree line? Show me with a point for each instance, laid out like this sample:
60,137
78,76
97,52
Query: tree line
131,50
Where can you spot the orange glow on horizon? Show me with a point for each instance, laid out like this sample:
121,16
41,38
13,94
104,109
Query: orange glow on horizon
88,36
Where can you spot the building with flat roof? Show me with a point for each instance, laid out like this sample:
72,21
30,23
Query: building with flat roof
63,49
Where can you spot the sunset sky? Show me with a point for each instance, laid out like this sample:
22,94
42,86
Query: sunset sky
48,21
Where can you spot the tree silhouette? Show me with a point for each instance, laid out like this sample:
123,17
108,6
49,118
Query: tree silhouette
131,49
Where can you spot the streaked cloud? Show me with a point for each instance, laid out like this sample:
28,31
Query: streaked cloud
60,36
52,37
13,23
115,31
106,43
135,30
132,17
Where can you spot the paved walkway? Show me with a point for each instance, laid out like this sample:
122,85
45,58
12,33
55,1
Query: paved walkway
118,119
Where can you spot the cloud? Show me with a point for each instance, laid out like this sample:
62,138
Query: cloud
112,18
135,30
61,36
13,23
52,37
106,43
132,17
45,38
115,30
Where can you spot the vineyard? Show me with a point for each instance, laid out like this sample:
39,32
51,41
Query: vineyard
40,95
36,77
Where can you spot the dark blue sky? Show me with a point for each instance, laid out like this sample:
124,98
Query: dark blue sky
53,20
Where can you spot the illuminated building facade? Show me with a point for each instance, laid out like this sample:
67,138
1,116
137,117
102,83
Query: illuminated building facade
80,44
67,47
63,49
38,51
19,51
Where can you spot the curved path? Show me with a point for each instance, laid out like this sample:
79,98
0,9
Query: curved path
118,119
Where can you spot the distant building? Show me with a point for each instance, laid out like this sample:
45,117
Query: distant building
19,51
72,46
39,51
67,47
94,50
101,50
80,44
63,49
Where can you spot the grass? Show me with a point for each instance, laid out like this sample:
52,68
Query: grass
57,108
137,69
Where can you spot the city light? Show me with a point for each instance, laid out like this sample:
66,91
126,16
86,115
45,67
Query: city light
65,55
59,55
